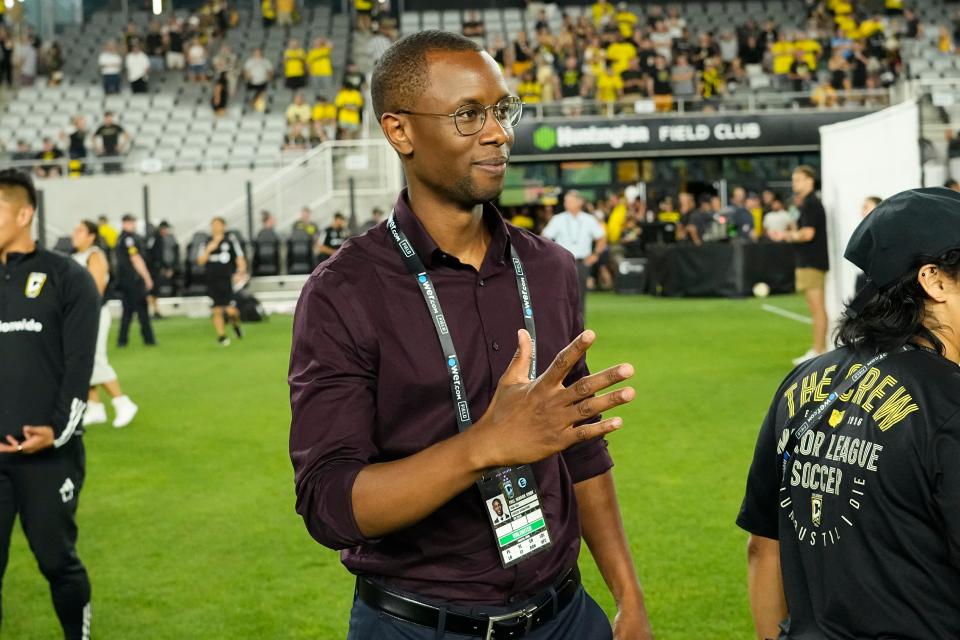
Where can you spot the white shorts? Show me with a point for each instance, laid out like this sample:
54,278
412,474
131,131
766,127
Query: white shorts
102,371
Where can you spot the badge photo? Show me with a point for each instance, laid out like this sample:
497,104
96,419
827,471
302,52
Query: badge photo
35,282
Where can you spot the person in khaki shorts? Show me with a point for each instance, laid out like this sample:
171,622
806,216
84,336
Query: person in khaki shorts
813,261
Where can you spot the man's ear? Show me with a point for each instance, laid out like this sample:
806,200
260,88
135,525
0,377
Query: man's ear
25,215
930,278
397,133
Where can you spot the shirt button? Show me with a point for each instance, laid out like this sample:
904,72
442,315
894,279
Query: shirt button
495,345
481,283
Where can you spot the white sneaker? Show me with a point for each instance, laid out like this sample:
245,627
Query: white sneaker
125,409
809,355
96,413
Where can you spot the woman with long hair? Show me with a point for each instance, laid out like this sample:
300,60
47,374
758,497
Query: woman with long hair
92,258
854,488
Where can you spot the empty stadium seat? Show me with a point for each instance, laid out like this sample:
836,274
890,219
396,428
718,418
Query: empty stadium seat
266,254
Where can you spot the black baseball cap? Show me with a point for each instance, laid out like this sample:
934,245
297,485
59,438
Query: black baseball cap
902,228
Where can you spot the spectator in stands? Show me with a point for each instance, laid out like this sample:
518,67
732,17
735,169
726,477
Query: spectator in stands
111,141
138,69
683,79
53,63
294,140
529,89
110,64
6,57
324,116
364,9
602,12
801,73
268,14
299,110
473,26
382,38
349,103
130,36
173,44
609,87
571,86
913,29
221,94
710,83
522,55
376,217
285,9
25,60
22,152
258,72
305,223
824,95
295,66
153,46
77,145
225,62
353,77
49,154
953,185
197,60
661,85
333,237
321,66
839,70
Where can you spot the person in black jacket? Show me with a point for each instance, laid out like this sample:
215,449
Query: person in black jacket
134,283
49,310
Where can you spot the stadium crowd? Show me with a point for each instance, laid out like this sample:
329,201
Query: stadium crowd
609,59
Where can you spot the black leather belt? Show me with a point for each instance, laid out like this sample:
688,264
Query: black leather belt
538,612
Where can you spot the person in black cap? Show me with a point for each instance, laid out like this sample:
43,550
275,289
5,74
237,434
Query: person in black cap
853,498
134,282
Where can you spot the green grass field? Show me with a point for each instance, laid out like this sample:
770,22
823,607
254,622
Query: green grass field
187,522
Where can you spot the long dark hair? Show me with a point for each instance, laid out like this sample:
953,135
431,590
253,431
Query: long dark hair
898,312
92,229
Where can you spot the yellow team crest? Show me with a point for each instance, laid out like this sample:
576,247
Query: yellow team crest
35,282
836,417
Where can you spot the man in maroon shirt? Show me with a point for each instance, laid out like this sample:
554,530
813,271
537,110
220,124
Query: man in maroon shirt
385,457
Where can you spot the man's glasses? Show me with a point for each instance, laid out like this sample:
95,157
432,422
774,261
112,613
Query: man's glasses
470,118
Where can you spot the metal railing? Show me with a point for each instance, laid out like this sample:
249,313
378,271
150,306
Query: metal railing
746,101
325,179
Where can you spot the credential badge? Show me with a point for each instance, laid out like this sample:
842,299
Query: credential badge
816,508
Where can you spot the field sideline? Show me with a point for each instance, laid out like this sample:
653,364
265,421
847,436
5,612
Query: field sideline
187,521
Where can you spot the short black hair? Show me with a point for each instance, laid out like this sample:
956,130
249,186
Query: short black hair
339,216
951,184
128,217
401,75
875,199
16,179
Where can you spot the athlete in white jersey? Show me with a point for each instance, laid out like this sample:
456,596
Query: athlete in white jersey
90,256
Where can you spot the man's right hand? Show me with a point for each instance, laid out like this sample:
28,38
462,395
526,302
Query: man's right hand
529,420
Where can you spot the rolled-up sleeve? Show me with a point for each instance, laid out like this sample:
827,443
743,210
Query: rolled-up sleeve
588,459
332,381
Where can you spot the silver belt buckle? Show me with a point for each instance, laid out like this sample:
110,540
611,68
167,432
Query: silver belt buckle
527,612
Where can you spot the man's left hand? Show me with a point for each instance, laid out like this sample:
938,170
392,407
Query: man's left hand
35,439
631,623
590,260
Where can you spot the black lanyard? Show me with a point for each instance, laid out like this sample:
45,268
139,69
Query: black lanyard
415,267
793,442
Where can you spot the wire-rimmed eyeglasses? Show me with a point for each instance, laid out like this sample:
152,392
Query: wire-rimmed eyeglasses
470,118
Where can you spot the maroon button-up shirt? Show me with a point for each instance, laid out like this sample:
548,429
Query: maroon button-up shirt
369,384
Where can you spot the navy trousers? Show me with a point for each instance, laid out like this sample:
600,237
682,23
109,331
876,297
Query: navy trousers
582,619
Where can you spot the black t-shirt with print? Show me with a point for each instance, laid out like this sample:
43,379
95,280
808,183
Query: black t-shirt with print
867,511
813,254
662,83
634,82
570,83
110,134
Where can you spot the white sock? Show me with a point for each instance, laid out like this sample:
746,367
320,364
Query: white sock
121,400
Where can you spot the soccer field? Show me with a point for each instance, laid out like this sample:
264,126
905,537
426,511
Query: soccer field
187,521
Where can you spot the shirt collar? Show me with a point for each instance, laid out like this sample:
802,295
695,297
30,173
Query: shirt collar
13,259
428,250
